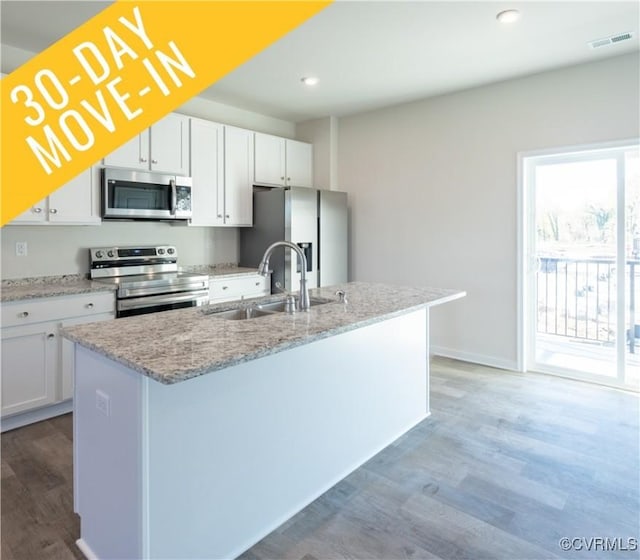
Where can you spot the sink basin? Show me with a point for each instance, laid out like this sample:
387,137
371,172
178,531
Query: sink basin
261,310
241,314
280,305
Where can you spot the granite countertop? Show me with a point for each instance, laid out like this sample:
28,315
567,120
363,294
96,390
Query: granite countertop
49,286
70,284
174,346
216,270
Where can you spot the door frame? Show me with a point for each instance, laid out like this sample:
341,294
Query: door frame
525,210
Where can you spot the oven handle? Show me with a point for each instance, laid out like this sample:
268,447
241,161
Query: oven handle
178,287
174,196
201,296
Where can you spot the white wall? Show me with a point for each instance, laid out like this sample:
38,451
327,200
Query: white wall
63,250
433,188
58,250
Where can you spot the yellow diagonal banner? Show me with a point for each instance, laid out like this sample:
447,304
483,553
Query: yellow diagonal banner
116,75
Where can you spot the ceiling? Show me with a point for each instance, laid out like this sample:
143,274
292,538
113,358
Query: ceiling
369,54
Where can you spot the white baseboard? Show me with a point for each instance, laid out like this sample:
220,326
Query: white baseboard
86,550
19,420
474,358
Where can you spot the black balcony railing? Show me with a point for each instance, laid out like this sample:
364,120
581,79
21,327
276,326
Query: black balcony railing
576,298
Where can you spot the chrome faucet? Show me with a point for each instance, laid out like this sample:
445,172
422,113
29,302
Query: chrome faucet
303,300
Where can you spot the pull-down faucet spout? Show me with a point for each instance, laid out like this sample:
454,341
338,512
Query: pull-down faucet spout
303,300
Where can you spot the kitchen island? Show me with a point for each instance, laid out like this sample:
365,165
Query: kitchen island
195,435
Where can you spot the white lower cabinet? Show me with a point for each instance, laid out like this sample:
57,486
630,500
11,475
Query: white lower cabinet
37,363
29,356
223,288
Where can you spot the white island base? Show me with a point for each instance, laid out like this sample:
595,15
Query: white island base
207,467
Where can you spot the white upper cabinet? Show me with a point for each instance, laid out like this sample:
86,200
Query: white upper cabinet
163,148
299,156
77,202
133,154
270,165
238,176
207,172
282,162
169,140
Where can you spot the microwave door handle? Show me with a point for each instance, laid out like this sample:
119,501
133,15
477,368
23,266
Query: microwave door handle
174,196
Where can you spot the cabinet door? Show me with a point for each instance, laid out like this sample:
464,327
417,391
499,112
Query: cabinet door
238,175
75,202
29,367
170,145
299,157
207,168
34,215
134,154
269,160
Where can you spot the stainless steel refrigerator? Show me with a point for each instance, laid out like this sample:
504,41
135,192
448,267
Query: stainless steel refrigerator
314,219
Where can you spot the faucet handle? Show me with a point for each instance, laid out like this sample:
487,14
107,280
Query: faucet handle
342,295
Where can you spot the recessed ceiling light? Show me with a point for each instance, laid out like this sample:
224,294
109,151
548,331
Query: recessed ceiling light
309,81
508,16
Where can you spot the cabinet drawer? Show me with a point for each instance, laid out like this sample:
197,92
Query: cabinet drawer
56,308
227,289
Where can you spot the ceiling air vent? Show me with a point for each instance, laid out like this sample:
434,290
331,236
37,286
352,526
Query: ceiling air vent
610,40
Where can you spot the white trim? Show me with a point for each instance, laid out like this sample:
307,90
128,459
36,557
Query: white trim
472,357
593,146
86,550
521,273
585,377
31,416
621,268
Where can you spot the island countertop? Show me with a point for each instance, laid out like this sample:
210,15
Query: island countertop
174,346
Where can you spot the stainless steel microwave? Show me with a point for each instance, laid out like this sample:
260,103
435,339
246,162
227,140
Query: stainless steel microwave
141,195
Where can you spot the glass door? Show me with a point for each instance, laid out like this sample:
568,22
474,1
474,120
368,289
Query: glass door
583,215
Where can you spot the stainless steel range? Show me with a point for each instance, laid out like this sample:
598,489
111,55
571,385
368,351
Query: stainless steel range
147,279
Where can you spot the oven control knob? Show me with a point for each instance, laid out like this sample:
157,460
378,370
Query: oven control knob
171,250
160,251
110,253
98,254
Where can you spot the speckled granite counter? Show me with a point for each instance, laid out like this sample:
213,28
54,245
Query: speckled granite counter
217,270
49,286
177,345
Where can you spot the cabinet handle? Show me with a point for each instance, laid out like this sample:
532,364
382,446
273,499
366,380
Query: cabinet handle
288,178
225,287
89,305
154,161
37,210
51,335
143,159
23,314
53,211
219,215
257,283
282,178
227,216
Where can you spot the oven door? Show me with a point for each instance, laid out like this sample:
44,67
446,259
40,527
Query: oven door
165,302
136,194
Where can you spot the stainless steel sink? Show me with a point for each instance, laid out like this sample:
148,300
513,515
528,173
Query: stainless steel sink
241,314
261,310
280,306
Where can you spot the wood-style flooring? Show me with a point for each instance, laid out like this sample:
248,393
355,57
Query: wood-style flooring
506,466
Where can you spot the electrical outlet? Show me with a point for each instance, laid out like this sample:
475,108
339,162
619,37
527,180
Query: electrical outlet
103,403
21,248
